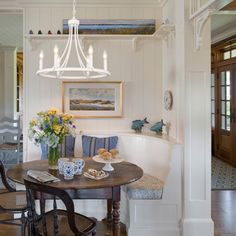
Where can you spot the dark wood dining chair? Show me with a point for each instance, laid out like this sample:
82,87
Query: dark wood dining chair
12,202
56,221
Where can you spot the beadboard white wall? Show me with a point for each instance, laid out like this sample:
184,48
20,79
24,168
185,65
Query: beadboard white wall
140,70
170,80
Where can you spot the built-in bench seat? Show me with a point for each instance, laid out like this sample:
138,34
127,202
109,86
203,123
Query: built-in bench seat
148,187
152,205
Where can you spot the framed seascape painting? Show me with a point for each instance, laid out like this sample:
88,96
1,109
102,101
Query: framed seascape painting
113,26
92,99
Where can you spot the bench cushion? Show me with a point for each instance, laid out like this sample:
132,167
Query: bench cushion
148,187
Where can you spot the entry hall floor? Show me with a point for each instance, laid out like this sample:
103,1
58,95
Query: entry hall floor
224,212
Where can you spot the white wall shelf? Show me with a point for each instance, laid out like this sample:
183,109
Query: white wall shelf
161,33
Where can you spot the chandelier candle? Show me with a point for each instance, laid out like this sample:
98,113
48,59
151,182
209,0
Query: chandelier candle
83,68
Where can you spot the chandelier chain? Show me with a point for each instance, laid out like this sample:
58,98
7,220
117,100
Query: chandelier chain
74,8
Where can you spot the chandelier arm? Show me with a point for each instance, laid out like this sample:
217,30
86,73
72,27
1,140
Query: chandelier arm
68,53
67,46
80,47
82,65
64,57
77,51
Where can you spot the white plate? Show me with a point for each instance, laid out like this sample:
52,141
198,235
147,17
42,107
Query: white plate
108,166
97,158
86,174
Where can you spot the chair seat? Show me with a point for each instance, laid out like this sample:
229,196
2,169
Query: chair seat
13,200
84,224
10,146
148,187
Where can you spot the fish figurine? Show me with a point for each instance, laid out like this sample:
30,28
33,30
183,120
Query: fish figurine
137,125
158,127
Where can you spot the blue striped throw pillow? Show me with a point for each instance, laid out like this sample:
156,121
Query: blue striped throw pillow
66,148
92,144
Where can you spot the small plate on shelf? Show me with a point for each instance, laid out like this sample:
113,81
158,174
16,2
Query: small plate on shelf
108,166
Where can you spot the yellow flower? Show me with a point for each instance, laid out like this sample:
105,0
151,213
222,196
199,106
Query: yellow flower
53,111
57,129
66,117
33,122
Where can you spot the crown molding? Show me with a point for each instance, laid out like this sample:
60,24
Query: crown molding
28,3
19,4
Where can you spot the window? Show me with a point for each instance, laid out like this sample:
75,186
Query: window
225,100
229,54
213,100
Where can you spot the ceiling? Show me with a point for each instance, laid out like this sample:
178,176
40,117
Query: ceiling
223,23
11,29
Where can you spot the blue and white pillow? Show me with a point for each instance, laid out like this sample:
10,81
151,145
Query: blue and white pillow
66,148
92,144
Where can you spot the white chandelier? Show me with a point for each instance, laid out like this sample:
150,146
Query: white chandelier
83,69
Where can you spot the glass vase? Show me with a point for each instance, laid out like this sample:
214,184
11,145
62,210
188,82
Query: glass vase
53,156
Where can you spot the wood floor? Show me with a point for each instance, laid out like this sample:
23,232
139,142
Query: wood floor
102,230
224,212
223,215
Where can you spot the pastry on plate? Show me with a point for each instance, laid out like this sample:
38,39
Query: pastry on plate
114,152
101,151
106,156
96,173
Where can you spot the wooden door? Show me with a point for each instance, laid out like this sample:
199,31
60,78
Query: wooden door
225,128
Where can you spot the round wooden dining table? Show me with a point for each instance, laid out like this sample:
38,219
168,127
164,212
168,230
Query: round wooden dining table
81,187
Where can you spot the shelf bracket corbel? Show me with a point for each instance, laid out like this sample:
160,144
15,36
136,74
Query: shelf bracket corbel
199,23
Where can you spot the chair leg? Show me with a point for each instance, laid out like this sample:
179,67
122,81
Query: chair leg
94,233
23,221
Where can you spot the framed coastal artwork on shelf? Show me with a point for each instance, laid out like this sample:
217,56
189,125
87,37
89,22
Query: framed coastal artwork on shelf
114,26
92,99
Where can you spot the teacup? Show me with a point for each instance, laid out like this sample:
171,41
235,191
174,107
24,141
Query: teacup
69,170
79,163
61,164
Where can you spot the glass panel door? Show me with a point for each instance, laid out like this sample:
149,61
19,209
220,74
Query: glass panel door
225,100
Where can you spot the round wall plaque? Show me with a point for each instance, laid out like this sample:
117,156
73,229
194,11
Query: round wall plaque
168,100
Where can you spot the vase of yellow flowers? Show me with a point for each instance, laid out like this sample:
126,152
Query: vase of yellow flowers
50,127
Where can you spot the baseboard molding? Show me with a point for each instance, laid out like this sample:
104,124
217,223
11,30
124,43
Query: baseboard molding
154,232
196,227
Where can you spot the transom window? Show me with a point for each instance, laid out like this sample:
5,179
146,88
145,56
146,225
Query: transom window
229,54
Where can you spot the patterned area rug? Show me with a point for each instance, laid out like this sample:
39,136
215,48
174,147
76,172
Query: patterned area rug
223,176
